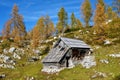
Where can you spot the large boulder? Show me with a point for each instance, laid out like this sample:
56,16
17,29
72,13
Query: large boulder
88,61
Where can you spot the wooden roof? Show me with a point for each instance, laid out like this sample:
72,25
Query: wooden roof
56,54
75,43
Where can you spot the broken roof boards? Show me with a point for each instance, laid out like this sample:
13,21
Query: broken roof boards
56,54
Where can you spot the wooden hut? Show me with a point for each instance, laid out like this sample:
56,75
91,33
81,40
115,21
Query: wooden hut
66,52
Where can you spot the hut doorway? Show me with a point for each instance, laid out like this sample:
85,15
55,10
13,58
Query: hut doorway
67,61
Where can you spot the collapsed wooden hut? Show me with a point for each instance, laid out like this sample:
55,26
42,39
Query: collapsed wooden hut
66,52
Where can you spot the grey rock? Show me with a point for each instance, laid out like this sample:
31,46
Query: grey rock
16,56
88,61
99,74
33,59
115,55
104,61
106,42
7,66
38,52
12,49
5,51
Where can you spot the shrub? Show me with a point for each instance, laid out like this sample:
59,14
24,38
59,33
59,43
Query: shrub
5,44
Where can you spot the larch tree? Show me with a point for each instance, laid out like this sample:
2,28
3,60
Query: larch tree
38,33
110,14
62,23
41,26
17,25
6,30
78,24
35,37
14,27
101,2
87,12
49,26
73,20
100,18
116,6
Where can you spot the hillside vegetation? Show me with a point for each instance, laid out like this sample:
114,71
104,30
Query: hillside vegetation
24,69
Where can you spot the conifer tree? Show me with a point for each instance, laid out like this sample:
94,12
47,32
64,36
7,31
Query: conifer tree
35,36
62,23
41,27
116,5
78,24
6,30
99,18
87,12
73,20
15,27
17,23
38,33
49,26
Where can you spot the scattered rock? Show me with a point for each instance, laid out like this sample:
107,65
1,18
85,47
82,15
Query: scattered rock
52,70
115,55
80,30
16,56
104,61
55,37
42,47
49,40
54,43
38,52
30,78
94,33
106,42
33,59
4,58
87,32
7,66
19,51
12,49
1,41
5,51
97,47
108,21
88,61
99,75
76,36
